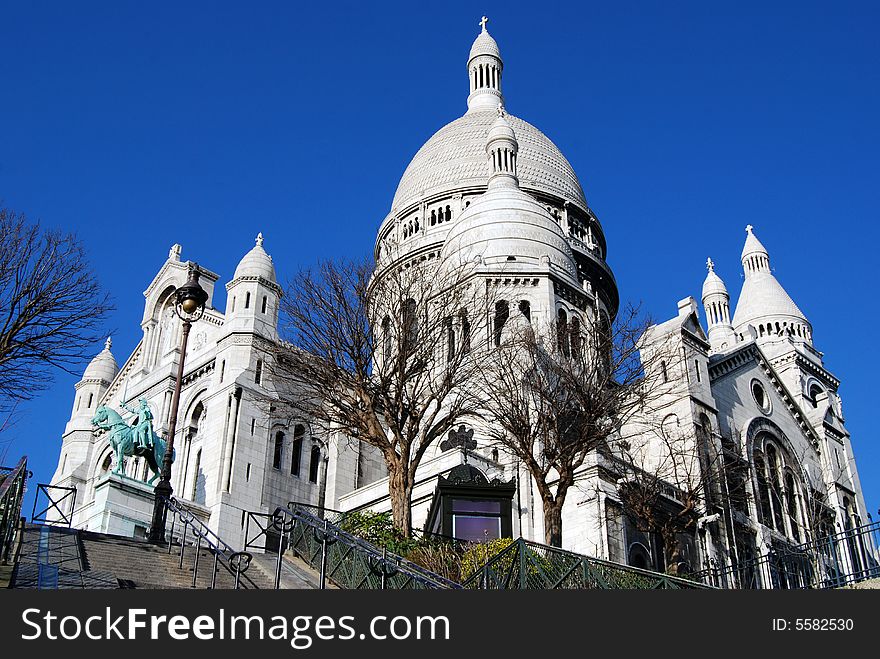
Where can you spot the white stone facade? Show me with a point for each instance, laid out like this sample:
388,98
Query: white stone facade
490,188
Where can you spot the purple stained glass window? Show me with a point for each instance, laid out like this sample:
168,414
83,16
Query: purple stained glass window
467,506
476,529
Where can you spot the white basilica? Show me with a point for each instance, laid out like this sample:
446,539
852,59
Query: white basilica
492,185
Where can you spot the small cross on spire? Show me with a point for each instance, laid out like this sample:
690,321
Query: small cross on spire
749,228
260,239
709,264
483,22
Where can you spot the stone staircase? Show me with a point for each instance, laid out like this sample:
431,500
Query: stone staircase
51,557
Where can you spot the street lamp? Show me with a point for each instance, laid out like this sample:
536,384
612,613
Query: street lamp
189,305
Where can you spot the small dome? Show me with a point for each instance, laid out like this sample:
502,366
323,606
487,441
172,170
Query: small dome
103,366
507,226
500,129
256,263
763,302
484,44
713,284
752,244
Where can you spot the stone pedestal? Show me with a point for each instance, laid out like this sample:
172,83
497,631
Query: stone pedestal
125,505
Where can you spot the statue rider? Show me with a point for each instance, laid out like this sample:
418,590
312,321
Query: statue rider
143,429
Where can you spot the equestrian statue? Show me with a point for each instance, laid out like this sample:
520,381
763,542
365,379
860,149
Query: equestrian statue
135,439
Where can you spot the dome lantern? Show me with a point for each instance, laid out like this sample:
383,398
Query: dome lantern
502,149
484,70
716,304
763,303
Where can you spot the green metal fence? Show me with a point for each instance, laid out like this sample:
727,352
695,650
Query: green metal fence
530,565
348,561
12,487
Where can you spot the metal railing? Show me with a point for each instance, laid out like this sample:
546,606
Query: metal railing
836,560
193,530
531,565
12,487
338,556
56,504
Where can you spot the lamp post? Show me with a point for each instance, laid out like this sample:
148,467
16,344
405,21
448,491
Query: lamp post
189,305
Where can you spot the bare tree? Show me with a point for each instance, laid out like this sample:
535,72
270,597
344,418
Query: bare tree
555,395
382,355
51,307
671,475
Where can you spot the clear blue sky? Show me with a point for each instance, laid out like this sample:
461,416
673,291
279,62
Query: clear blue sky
144,124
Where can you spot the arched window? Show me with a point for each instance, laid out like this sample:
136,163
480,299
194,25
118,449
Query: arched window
465,332
763,490
198,486
299,432
410,324
502,313
525,308
815,392
314,463
562,332
791,505
91,398
222,369
575,336
247,300
279,448
258,372
450,340
265,304
386,337
775,487
664,374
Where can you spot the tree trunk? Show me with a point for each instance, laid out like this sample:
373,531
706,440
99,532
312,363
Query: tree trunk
400,492
553,522
672,551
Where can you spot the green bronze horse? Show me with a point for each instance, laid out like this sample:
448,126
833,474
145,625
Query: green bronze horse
125,442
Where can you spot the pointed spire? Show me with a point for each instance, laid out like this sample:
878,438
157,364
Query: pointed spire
108,343
763,303
484,70
716,304
502,149
754,255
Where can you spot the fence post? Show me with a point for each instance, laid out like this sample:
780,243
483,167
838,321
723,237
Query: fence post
196,560
214,572
182,544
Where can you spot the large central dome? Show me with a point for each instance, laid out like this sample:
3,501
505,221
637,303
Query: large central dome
455,157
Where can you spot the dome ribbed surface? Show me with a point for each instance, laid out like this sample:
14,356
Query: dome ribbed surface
484,44
455,157
713,284
256,263
102,367
762,298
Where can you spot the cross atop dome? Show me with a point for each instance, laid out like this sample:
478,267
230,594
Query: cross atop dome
260,239
749,228
710,265
484,71
108,343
